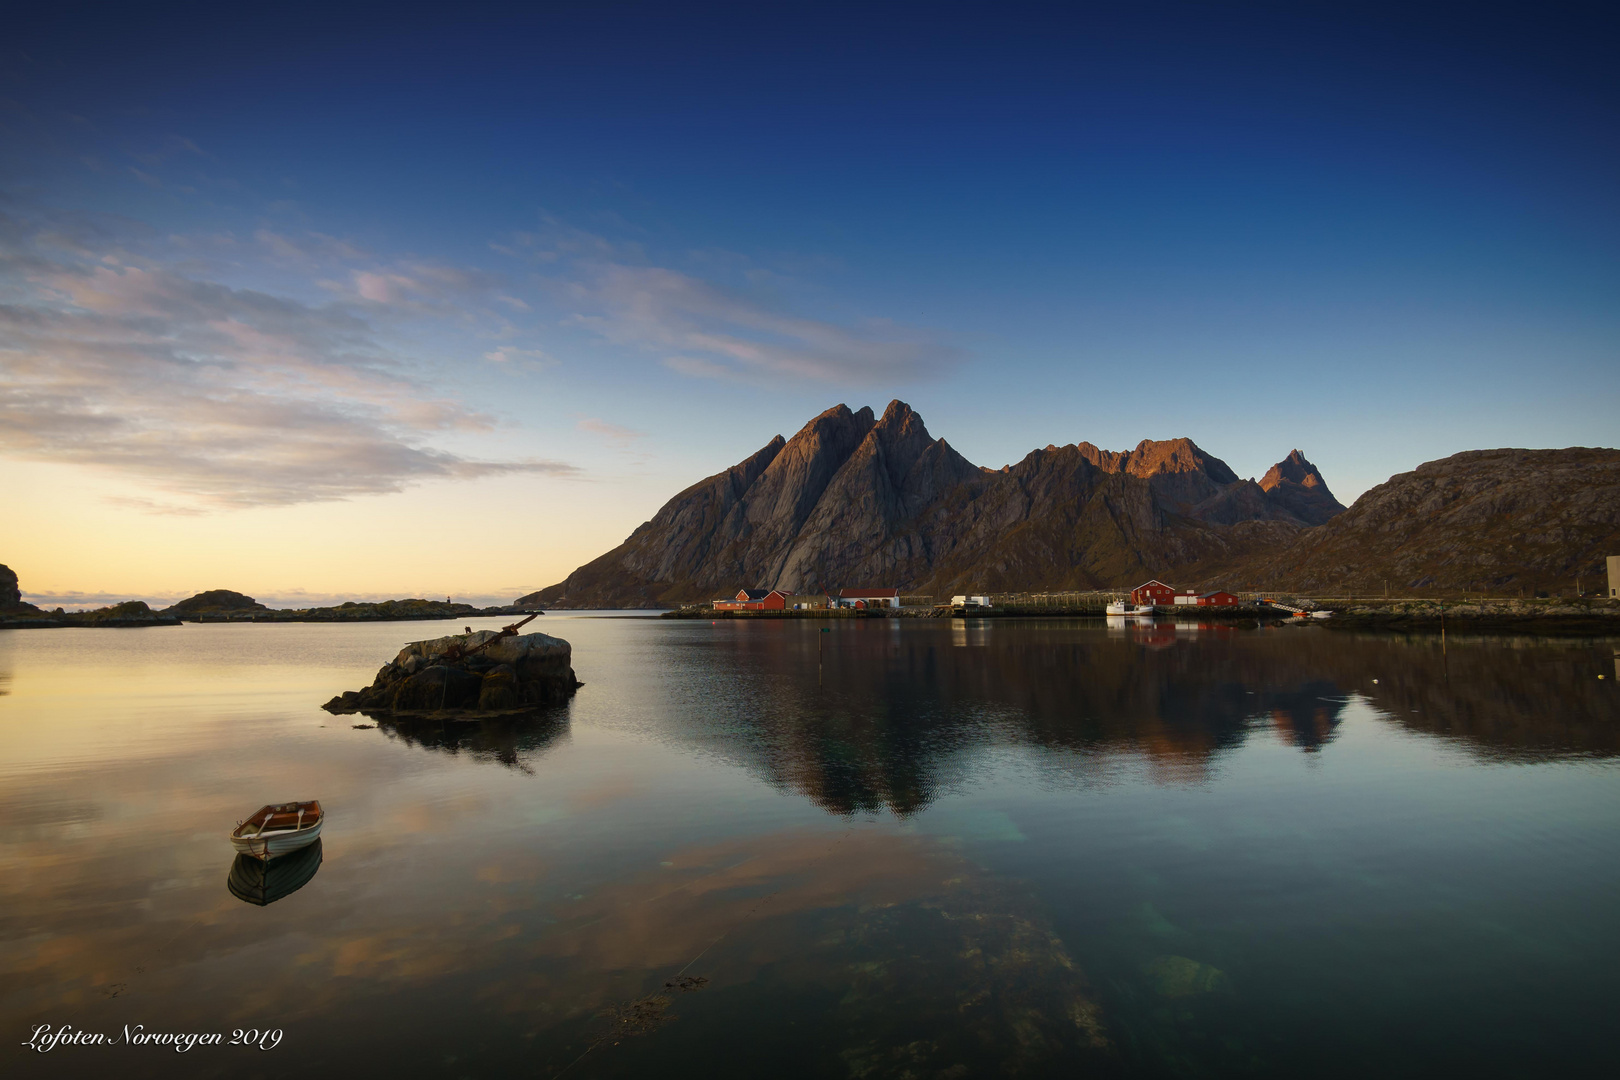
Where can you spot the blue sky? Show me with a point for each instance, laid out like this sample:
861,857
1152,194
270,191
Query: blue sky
299,260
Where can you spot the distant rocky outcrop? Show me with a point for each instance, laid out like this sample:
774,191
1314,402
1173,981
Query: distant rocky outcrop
1490,520
855,499
446,675
223,605
216,602
16,615
128,613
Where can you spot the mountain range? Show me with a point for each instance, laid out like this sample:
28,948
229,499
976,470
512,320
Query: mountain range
858,499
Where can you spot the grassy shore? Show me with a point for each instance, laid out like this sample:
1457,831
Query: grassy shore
1555,615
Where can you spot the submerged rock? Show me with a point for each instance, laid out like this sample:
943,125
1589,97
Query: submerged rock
1180,976
507,674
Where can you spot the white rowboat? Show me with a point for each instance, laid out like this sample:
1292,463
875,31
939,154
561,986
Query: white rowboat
276,830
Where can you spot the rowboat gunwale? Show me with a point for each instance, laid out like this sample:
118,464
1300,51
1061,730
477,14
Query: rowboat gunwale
263,836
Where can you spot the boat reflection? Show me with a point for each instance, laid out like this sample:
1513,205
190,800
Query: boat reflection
264,881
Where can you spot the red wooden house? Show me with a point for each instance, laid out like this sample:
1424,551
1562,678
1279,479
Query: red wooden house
754,600
1153,592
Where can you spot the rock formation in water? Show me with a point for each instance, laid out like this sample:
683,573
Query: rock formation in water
513,674
1494,520
855,499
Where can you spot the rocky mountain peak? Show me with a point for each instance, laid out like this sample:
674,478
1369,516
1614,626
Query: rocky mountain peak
899,412
1292,468
10,593
1295,486
1182,476
1155,457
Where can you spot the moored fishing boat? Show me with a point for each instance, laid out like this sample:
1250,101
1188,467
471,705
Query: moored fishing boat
279,828
1125,607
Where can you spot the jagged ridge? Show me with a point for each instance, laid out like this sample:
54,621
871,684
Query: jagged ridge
853,499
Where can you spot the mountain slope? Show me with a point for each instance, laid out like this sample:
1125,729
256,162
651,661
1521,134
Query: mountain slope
854,499
1482,520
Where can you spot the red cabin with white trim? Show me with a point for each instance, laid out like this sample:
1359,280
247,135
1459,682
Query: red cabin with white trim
1153,593
754,600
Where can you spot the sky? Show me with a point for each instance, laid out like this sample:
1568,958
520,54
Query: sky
335,302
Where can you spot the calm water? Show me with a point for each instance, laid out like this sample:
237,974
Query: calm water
910,848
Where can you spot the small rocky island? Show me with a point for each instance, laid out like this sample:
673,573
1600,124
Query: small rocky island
487,673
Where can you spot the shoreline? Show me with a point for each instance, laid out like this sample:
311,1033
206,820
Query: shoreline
87,619
1553,616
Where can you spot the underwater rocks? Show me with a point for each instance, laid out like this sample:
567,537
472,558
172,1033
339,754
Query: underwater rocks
446,676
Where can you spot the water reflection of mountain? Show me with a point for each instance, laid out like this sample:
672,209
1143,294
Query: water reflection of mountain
507,740
889,713
263,882
1504,698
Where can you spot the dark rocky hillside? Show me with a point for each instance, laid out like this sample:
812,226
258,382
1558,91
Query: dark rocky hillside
1485,520
10,593
216,602
856,499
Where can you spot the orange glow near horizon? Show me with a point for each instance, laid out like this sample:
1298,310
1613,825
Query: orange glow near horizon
72,531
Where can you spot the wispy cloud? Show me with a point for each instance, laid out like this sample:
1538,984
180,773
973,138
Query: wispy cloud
616,434
309,248
534,359
696,367
719,332
216,396
705,329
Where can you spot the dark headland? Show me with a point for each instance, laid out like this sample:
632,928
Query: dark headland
224,605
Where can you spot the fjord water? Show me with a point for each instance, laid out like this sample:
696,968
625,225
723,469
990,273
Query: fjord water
894,848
